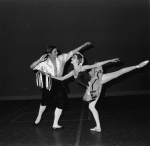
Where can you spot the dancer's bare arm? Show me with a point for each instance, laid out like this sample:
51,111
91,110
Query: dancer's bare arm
64,77
79,48
99,64
67,56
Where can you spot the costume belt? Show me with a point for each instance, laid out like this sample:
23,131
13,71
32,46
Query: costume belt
39,80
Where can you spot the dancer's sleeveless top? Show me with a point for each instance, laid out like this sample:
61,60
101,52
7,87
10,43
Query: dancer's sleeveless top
83,78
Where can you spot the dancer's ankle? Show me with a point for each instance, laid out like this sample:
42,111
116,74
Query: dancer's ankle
98,126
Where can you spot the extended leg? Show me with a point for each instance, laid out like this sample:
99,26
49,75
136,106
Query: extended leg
109,76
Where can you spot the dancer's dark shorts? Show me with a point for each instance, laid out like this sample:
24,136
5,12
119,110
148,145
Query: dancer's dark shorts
57,96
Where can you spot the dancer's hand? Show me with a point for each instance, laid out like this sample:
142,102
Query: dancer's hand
43,58
115,60
87,43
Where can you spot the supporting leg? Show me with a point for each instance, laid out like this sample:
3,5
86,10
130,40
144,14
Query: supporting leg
57,115
95,115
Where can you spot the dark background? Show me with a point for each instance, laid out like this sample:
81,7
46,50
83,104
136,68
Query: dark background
116,28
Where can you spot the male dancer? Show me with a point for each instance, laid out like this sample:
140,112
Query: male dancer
53,65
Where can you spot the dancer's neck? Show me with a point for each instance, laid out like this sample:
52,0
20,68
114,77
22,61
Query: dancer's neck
53,59
77,67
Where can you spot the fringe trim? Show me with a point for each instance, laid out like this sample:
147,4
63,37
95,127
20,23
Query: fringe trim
39,80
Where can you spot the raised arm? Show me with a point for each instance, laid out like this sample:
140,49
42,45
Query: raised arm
64,77
79,48
35,63
99,64
67,56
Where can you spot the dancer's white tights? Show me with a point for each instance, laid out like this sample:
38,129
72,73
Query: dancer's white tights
41,110
109,76
95,112
57,115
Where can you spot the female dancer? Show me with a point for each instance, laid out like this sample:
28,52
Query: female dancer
94,80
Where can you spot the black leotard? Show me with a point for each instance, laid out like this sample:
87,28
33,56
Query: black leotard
83,78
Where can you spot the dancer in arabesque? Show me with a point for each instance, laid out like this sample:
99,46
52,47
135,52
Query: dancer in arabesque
94,79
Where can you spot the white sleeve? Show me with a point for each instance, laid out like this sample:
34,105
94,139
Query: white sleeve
66,56
39,66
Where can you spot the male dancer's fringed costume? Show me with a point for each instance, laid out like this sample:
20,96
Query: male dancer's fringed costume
52,88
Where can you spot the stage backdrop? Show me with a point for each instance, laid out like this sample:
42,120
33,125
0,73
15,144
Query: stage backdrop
117,28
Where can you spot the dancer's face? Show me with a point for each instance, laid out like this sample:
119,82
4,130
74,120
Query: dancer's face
74,59
54,53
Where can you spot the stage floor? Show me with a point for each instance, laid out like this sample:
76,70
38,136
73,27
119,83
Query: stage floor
125,121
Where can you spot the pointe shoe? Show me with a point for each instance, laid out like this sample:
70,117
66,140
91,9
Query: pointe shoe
96,129
142,64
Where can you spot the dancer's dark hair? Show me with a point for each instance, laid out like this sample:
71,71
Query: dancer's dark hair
80,57
49,49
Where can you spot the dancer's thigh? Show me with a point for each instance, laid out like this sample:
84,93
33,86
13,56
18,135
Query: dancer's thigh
109,76
93,103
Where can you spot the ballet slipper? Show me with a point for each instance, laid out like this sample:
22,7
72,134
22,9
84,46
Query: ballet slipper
96,129
37,121
57,127
142,64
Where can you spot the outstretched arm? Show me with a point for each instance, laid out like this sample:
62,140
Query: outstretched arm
64,77
99,63
79,48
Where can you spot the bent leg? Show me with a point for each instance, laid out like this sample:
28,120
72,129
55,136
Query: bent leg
43,105
40,113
